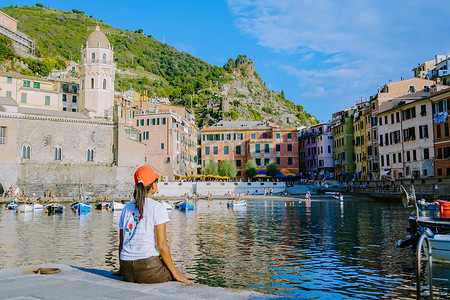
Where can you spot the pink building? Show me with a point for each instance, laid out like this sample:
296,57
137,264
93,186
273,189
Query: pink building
240,141
318,151
171,140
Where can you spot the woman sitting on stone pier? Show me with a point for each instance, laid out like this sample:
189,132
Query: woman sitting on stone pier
143,249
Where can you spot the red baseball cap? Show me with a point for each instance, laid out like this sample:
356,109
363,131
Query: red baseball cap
146,175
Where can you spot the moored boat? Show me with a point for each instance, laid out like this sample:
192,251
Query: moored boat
185,205
37,205
12,205
237,203
81,206
102,205
116,205
25,208
54,208
440,247
338,196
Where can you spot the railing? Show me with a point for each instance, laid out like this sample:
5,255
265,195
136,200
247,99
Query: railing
97,61
422,238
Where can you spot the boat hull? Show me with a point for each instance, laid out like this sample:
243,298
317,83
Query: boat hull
117,206
37,206
440,246
436,224
237,204
25,208
81,206
102,205
12,205
186,206
54,208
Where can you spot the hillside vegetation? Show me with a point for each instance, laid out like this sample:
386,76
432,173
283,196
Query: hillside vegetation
233,91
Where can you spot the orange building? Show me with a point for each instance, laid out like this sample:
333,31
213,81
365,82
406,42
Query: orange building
240,141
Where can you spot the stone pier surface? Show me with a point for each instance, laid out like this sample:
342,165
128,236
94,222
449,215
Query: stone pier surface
84,283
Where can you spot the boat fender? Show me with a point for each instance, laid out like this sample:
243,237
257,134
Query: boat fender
425,230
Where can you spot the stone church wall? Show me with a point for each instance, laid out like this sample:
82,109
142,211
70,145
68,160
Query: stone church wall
42,171
95,181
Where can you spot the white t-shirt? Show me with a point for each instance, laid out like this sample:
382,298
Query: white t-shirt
139,239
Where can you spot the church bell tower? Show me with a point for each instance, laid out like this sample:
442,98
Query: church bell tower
97,72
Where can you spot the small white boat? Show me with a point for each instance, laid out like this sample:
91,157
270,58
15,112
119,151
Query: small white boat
166,204
25,208
237,203
338,196
37,206
117,205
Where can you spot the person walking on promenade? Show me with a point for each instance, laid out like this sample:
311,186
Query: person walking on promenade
144,253
271,192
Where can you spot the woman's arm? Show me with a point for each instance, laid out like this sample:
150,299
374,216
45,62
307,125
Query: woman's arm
164,252
119,272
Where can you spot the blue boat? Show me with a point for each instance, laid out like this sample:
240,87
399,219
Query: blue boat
12,205
81,206
185,205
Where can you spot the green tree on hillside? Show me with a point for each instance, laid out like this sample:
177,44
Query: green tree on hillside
6,49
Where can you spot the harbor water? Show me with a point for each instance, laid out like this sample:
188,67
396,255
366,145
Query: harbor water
324,249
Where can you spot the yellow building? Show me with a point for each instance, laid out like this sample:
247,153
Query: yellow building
31,92
359,140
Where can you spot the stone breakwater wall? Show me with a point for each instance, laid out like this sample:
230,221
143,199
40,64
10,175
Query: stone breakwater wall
65,180
178,189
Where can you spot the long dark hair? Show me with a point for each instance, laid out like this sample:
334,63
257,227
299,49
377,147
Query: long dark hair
140,191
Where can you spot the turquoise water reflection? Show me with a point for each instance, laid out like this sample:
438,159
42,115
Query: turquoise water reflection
323,250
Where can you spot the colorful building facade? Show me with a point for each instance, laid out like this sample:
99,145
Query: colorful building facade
441,109
241,141
171,140
343,144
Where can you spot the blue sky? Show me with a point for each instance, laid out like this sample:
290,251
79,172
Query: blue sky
324,54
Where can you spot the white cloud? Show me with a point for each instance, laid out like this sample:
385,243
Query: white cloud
354,44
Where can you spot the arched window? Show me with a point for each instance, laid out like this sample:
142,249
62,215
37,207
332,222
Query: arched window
26,151
92,83
93,55
90,155
104,57
58,153
104,84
